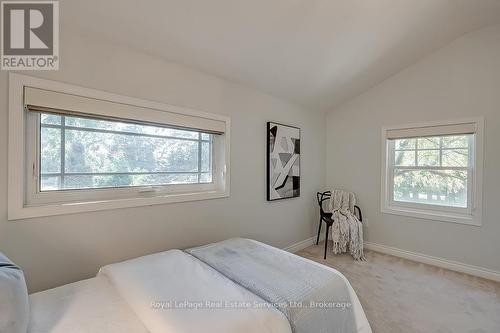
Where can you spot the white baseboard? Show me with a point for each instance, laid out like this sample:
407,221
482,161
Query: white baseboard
418,257
434,261
302,245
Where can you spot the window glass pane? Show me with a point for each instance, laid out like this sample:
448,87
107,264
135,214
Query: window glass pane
205,136
434,187
50,119
206,164
93,152
404,158
110,181
404,143
205,178
50,183
428,143
50,150
130,155
428,157
456,158
461,141
129,128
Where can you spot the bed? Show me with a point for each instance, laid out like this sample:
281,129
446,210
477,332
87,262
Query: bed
86,306
172,291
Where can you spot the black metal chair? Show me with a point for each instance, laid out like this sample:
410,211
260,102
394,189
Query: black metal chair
327,217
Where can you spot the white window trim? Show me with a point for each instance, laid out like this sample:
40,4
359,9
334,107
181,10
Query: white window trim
472,216
17,157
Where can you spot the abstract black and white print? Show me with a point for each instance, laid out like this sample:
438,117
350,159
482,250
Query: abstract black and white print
283,161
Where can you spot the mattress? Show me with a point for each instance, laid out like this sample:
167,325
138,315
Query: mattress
87,306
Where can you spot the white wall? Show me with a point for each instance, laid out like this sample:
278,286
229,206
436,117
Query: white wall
458,81
58,250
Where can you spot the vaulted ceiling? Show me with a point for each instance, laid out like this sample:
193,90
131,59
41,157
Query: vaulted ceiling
318,53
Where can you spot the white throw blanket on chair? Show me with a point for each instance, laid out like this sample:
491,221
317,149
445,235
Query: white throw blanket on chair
347,230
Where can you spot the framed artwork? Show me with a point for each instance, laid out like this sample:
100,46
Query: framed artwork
283,161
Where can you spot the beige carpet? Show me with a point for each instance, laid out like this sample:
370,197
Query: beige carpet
399,295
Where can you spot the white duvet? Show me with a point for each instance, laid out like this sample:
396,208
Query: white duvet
169,291
87,306
134,296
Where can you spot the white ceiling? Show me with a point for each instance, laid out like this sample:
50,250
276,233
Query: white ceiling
318,53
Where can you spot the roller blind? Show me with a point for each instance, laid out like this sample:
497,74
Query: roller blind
454,129
46,101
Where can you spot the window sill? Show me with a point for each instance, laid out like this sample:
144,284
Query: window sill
27,212
433,215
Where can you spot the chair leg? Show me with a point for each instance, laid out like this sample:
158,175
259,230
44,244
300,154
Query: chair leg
319,230
326,240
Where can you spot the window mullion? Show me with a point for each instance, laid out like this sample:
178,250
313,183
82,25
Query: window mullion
391,165
199,157
439,168
63,151
441,151
211,147
67,174
416,152
106,131
471,172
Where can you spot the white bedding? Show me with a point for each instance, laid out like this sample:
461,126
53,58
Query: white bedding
176,277
88,306
361,322
125,297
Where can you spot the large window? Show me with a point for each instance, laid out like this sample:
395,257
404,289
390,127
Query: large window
81,153
73,149
432,172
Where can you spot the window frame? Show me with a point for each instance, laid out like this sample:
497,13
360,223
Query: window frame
36,197
471,215
25,199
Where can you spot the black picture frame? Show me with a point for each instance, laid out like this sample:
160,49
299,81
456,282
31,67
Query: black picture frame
295,181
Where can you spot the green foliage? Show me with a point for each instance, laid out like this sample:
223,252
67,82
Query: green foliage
443,176
110,154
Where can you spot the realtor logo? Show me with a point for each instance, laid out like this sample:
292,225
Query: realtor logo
30,35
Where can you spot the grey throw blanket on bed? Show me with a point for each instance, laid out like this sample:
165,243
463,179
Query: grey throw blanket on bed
313,298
